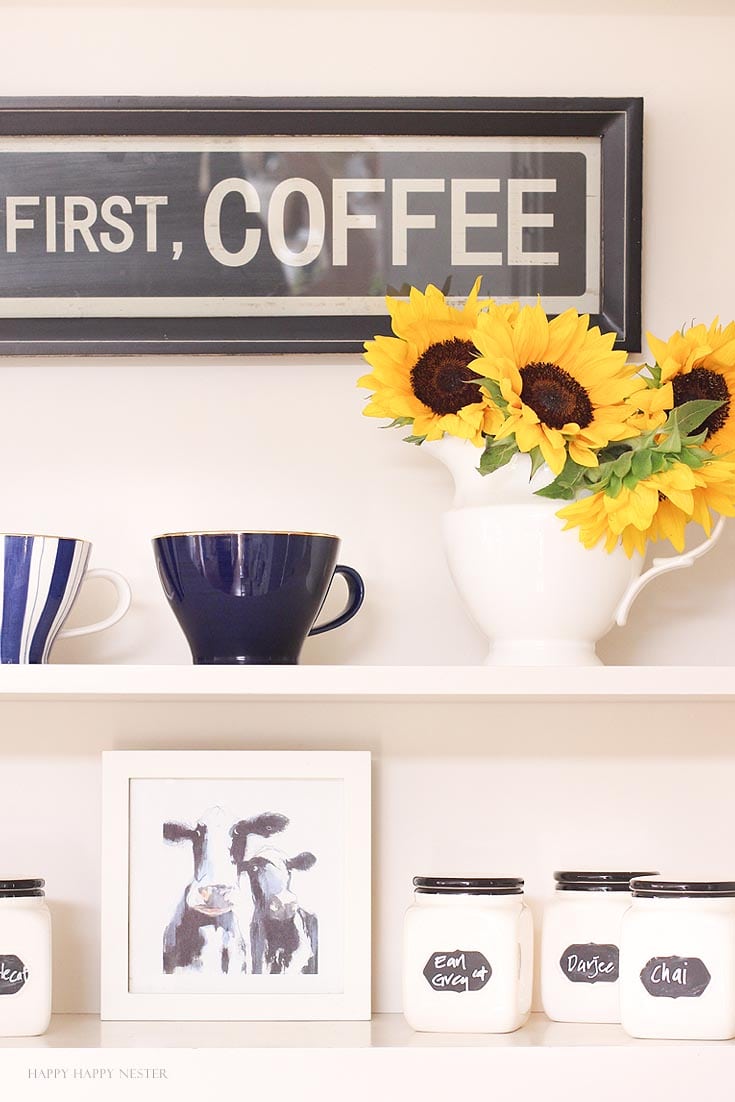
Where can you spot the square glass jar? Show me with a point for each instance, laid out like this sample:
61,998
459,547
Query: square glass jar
580,946
467,956
677,960
25,959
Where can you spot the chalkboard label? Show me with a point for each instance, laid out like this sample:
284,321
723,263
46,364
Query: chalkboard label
675,977
461,970
13,975
591,963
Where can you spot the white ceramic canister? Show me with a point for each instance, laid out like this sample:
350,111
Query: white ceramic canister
467,955
25,959
677,960
580,946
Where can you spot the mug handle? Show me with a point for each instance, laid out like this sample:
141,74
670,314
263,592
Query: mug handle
124,597
355,597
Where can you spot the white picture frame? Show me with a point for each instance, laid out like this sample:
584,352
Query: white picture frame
285,936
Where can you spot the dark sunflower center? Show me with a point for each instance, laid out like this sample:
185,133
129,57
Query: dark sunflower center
709,385
555,396
440,378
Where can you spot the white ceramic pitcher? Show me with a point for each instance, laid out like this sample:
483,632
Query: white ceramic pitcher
540,596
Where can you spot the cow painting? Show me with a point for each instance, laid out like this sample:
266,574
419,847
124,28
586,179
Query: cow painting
211,929
284,936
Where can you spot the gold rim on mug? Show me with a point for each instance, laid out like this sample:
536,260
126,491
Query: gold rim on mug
248,532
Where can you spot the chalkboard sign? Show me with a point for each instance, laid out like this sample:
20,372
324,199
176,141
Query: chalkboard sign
675,977
591,963
461,970
250,225
13,975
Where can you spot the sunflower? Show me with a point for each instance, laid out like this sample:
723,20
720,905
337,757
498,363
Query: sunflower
658,507
564,385
651,407
700,363
422,375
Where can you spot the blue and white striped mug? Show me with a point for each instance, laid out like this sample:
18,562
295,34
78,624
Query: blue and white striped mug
40,577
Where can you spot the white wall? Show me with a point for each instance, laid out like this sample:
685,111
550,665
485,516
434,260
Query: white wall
121,450
118,451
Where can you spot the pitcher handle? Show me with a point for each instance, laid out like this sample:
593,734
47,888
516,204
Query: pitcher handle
662,566
124,597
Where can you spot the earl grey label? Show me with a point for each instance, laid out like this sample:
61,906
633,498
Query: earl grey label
591,963
461,970
13,975
675,977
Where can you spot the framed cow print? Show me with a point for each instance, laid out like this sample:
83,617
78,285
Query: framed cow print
236,885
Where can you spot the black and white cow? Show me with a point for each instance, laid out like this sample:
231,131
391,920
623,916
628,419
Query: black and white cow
213,922
284,937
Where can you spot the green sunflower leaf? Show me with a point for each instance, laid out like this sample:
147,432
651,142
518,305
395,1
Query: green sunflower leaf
622,465
557,491
611,452
537,460
694,457
691,415
696,438
497,454
399,422
690,460
605,470
414,440
614,486
567,483
671,434
642,442
493,389
641,465
653,380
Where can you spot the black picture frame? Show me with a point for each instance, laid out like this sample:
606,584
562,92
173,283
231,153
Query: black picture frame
617,123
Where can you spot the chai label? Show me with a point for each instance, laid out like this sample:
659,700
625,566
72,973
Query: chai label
460,970
591,963
13,975
675,977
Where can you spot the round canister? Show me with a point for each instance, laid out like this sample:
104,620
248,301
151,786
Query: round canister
677,960
467,955
25,959
580,946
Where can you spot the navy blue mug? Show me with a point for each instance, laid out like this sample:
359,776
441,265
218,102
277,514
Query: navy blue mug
251,598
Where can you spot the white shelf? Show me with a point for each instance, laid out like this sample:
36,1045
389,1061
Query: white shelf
82,1058
86,1031
365,683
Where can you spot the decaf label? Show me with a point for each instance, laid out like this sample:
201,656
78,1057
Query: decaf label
591,963
675,977
13,975
461,970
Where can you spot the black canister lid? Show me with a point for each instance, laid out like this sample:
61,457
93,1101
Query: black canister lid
472,885
596,881
19,889
683,889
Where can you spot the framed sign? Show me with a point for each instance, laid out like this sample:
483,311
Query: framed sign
250,225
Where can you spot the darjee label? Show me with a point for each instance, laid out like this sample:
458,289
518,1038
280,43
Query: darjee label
591,963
